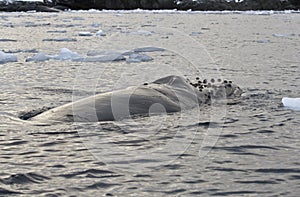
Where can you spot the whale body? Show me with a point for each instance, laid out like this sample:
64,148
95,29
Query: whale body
166,95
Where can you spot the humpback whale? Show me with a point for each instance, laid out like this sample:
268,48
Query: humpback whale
165,95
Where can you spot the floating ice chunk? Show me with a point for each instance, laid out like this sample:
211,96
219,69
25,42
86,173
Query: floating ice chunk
94,53
293,103
40,57
98,56
101,58
141,32
283,35
100,33
103,53
195,33
7,57
96,25
127,53
85,33
66,54
136,57
148,49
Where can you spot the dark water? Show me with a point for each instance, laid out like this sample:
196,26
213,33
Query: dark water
247,149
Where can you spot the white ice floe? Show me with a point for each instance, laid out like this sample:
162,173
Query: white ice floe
148,49
85,33
100,33
64,54
103,53
40,57
102,58
67,54
283,35
136,57
293,103
195,33
7,57
130,56
141,32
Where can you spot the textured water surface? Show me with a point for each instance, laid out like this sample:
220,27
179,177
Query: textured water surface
253,151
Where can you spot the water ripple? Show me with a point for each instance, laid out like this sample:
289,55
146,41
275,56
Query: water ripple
8,192
86,172
278,170
26,178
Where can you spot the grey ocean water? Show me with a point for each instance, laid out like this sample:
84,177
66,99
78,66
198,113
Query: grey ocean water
253,152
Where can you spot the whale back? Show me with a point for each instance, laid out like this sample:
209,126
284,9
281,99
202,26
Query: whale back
168,94
165,95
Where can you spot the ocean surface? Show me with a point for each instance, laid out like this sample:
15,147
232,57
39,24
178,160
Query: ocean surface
251,148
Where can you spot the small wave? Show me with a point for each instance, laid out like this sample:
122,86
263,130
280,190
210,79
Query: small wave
99,185
227,169
6,192
176,191
229,136
15,143
25,178
230,193
265,131
56,90
278,170
57,31
137,142
243,149
295,177
258,182
173,166
88,172
7,40
206,124
60,40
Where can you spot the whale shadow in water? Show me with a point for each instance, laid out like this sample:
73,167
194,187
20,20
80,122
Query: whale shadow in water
165,95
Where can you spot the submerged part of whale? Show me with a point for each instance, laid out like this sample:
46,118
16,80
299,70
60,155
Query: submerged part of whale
165,95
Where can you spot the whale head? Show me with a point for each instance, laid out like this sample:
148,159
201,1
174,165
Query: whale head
218,89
